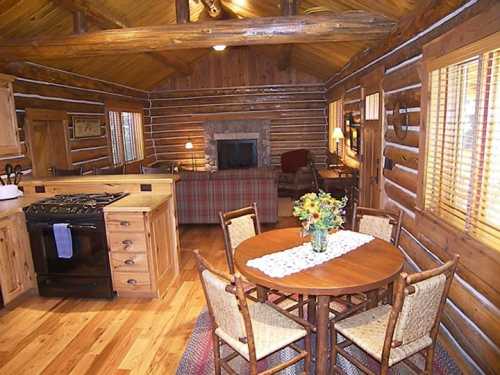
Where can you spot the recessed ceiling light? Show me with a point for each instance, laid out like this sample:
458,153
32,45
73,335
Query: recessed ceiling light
219,47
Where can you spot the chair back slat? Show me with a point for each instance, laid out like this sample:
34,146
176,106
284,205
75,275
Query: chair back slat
240,229
420,309
380,223
224,305
376,226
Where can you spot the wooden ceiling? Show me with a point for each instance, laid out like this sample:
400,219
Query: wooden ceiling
25,19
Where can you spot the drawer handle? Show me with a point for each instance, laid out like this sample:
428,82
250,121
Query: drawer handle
132,281
129,262
124,223
127,243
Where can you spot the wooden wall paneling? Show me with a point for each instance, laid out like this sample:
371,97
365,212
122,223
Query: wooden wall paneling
83,97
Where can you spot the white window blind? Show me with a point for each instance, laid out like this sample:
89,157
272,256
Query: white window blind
462,181
335,121
372,103
126,136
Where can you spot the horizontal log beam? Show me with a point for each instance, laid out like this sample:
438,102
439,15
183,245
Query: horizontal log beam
348,26
104,20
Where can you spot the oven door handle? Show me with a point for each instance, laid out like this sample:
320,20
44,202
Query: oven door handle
71,226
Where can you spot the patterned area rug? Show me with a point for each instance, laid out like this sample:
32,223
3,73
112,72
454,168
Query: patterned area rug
198,357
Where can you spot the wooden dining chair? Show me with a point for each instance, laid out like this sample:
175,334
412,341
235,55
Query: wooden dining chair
392,334
253,331
239,225
380,223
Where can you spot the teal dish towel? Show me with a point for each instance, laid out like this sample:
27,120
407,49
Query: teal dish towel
64,241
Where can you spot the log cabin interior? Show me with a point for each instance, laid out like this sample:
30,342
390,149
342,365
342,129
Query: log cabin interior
153,156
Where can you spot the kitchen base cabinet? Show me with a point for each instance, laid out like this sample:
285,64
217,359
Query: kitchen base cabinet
16,264
143,250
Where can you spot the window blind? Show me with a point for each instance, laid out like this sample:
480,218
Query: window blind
462,181
126,136
335,121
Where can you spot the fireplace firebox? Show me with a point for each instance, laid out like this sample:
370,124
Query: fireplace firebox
236,153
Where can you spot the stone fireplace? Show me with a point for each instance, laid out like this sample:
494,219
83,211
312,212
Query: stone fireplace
259,130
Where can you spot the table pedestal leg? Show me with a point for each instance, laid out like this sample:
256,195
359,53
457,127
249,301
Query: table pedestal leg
311,310
322,336
372,296
262,293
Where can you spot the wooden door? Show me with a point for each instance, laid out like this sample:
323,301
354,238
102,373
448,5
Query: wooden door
16,265
48,140
371,141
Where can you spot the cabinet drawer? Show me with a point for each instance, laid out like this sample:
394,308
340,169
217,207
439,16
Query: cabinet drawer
127,242
131,282
129,262
125,222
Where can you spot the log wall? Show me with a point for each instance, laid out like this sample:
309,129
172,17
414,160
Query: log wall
237,85
45,88
471,323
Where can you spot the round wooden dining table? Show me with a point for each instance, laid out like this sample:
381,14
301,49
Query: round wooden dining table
365,269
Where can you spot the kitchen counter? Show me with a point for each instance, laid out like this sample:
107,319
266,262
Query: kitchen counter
138,202
103,179
13,206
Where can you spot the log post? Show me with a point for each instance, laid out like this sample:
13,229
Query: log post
182,11
79,22
288,8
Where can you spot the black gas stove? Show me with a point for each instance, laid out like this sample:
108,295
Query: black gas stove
86,271
71,205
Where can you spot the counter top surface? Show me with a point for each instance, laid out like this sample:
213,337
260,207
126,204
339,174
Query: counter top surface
138,202
13,206
105,179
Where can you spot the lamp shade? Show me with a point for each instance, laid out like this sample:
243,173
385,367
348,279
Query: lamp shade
337,134
189,145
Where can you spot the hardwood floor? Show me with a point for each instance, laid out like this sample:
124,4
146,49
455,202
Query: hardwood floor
123,336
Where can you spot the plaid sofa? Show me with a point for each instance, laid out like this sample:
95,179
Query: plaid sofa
201,195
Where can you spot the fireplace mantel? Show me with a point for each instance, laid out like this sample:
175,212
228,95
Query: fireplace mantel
237,129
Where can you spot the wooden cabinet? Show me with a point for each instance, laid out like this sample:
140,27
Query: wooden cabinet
9,137
16,264
142,255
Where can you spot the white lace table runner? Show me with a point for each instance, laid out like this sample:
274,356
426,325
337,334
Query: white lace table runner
296,259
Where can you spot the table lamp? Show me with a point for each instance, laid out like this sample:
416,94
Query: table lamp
189,146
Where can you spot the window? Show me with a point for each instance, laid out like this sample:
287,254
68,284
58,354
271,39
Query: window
372,106
126,135
335,121
462,175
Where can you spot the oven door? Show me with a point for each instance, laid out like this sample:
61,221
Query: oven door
90,254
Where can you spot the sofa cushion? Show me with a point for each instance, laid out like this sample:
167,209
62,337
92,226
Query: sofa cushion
244,174
190,175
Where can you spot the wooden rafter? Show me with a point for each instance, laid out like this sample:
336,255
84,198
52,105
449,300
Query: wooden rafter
348,26
288,8
105,20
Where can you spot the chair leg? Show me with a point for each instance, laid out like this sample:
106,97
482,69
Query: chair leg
216,343
307,360
300,304
429,358
333,339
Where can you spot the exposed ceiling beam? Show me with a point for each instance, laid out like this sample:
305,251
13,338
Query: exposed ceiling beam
79,23
105,20
348,26
288,8
182,12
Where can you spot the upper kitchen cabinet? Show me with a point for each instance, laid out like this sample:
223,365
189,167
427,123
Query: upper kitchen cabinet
9,137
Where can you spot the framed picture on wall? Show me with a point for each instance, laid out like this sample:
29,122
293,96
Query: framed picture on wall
352,132
354,136
85,127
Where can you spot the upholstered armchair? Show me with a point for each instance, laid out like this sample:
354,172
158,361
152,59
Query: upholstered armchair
298,175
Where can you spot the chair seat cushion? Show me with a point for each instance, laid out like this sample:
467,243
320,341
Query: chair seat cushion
367,330
272,331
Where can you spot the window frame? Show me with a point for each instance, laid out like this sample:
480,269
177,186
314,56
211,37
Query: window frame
445,51
130,107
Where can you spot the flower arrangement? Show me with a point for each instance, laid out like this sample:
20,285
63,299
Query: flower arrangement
319,211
